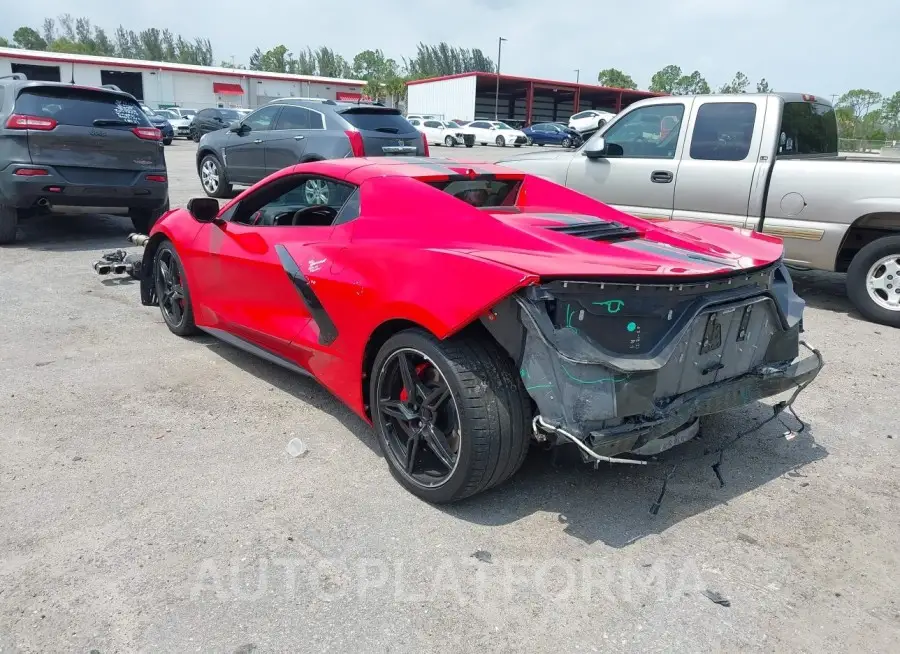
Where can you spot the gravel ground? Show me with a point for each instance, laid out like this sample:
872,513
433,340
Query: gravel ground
147,501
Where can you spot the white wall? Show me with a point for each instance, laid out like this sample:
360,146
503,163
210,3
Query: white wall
451,98
195,90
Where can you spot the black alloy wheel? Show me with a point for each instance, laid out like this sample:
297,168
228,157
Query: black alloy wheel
452,416
172,291
421,420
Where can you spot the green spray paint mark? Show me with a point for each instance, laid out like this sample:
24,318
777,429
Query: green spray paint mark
614,380
531,388
569,318
631,326
523,373
612,306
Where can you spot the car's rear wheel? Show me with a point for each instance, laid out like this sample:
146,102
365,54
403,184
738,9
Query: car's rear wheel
167,141
172,291
143,219
501,141
873,281
9,221
449,141
470,145
451,415
213,178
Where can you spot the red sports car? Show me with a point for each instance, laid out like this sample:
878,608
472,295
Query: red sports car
466,309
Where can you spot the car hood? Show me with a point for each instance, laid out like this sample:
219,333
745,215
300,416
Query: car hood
156,121
567,244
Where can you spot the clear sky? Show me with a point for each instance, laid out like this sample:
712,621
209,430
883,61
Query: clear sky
817,46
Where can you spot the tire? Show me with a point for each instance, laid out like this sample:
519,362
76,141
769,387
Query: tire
185,325
143,220
501,141
216,186
167,141
567,142
517,145
529,140
882,251
9,220
540,145
195,137
492,407
470,145
449,141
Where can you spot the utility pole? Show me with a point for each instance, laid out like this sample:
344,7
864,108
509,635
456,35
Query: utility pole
497,92
577,75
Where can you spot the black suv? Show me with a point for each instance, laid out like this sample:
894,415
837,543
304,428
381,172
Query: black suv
63,145
289,131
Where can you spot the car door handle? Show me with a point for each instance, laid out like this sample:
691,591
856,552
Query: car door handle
258,141
661,177
299,138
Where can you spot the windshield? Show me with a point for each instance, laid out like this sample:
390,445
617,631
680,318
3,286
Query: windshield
450,123
502,126
482,193
187,112
807,128
147,110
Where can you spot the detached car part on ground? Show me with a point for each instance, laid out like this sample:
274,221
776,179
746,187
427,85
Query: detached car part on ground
63,145
511,309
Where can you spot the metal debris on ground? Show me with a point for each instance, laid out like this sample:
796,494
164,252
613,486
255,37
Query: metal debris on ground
297,448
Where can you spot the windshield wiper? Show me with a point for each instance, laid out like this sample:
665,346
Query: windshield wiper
112,122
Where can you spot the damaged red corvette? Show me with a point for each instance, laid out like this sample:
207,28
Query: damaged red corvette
466,309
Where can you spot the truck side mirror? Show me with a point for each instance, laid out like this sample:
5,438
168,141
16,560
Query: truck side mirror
596,149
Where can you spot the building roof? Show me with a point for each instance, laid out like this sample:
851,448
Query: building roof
538,81
63,57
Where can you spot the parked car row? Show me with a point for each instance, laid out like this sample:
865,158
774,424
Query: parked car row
493,132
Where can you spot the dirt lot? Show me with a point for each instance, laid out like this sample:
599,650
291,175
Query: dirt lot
147,501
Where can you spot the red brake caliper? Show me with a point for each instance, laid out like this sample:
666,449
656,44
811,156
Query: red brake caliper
404,395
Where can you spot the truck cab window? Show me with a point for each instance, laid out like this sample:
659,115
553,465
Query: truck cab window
807,128
723,131
647,133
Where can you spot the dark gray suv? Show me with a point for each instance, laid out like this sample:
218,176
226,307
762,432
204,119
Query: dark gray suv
289,131
63,145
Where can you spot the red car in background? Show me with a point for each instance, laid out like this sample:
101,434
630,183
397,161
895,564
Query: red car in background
466,309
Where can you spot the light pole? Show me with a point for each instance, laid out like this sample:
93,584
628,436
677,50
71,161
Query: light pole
497,91
577,75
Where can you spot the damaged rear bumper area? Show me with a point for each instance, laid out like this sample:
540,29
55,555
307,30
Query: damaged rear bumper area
630,368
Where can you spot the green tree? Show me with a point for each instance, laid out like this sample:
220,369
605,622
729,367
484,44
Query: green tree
331,64
5,44
692,84
762,86
615,78
890,112
445,59
373,65
665,80
738,84
29,39
860,102
275,60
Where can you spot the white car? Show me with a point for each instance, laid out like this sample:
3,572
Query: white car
590,119
496,132
441,132
180,119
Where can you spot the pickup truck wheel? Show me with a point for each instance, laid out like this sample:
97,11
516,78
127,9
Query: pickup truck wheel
451,416
9,219
873,281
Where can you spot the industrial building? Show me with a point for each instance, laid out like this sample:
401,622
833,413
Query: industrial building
469,96
160,84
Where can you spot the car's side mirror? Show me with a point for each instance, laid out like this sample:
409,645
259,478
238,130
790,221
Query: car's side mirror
204,210
596,149
238,127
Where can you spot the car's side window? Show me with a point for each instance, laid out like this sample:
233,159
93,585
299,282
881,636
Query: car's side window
295,200
293,118
262,119
646,133
432,123
205,113
415,122
480,125
723,131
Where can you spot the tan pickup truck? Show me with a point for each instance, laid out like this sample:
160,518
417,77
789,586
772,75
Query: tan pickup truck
757,161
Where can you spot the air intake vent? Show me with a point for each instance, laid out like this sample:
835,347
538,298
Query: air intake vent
598,230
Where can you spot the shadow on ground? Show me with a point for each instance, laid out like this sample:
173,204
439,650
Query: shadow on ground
824,290
57,232
609,504
612,503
